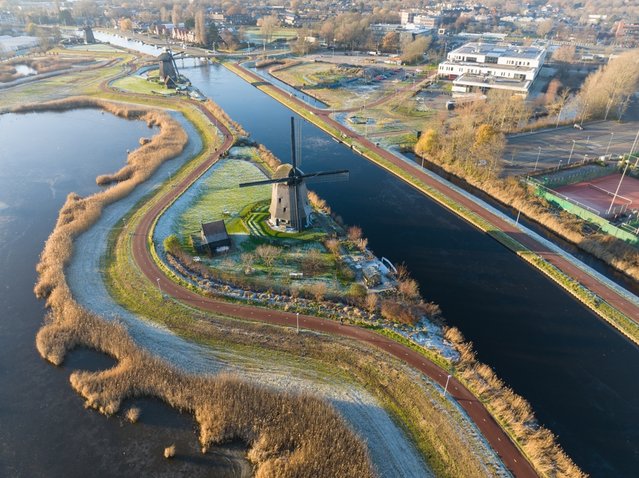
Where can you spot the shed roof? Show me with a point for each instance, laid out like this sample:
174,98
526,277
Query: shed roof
214,231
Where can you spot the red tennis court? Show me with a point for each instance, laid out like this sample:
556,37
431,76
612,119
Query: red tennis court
597,194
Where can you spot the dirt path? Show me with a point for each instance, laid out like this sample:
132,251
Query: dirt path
500,442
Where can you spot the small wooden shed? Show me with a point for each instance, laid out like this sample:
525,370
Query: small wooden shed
215,239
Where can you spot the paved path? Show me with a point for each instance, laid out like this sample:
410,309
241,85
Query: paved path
500,442
611,296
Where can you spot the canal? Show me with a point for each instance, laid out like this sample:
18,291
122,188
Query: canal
576,371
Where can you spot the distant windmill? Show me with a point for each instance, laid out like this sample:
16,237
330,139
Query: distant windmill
289,202
169,72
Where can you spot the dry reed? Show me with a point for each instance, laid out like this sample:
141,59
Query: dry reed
538,443
287,435
169,452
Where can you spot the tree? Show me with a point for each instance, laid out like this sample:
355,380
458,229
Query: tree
267,254
371,302
611,87
267,26
413,51
544,27
354,233
390,42
318,290
176,14
427,143
408,288
565,54
125,24
201,31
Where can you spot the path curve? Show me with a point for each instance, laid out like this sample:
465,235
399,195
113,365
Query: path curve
508,452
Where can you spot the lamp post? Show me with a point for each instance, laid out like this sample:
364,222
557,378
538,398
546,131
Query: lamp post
585,158
559,116
571,151
559,165
160,288
537,161
297,320
618,186
446,386
609,141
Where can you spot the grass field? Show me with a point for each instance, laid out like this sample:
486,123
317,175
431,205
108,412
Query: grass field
139,84
219,197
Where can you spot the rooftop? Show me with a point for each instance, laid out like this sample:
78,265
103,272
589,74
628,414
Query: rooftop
496,50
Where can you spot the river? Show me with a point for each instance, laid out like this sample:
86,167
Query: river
45,431
576,371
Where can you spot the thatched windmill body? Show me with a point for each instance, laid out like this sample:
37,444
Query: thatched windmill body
289,197
169,72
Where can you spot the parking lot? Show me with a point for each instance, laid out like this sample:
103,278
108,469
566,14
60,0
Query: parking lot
528,152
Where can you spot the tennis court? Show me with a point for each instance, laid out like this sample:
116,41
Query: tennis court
597,194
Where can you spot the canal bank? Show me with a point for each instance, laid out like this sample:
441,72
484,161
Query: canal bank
513,316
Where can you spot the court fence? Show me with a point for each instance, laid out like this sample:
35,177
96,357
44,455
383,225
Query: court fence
587,213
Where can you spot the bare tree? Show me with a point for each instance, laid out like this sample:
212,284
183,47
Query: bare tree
354,233
413,51
267,254
200,28
318,290
267,26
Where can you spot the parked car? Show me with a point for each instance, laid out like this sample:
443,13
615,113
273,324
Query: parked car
578,126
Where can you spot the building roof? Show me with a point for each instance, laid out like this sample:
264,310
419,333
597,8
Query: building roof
214,231
495,50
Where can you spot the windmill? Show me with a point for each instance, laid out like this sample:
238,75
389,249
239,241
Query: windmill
289,202
169,72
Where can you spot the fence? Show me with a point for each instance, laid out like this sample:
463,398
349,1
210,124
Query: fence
587,213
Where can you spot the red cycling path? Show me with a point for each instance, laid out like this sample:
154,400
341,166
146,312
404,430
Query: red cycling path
508,452
608,294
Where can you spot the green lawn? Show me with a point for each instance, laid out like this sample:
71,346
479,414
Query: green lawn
220,197
139,84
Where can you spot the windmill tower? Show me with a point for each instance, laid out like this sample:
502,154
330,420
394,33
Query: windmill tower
289,201
169,72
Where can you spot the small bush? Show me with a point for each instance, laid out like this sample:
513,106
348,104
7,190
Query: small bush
133,414
169,452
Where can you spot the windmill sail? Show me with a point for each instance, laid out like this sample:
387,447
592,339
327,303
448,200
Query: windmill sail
289,196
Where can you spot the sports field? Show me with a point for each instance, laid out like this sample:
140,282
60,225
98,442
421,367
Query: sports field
598,194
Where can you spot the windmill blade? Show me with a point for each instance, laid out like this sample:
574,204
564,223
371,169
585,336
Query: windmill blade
265,181
296,193
331,178
293,155
326,176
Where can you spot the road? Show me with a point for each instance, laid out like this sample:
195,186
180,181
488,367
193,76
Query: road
499,441
555,145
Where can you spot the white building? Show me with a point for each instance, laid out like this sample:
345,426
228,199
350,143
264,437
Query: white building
478,67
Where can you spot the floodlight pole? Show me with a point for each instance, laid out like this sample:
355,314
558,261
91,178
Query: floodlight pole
618,186
571,150
609,141
538,154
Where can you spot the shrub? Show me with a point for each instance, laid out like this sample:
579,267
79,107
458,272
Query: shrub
133,414
169,452
403,313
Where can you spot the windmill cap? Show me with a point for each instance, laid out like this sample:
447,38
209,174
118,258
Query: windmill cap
283,171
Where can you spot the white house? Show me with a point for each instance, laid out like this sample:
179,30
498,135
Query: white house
478,67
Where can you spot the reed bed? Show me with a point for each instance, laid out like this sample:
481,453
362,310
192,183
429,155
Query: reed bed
44,64
287,435
234,126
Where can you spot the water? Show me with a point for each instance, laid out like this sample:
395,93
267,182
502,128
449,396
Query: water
576,371
45,431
